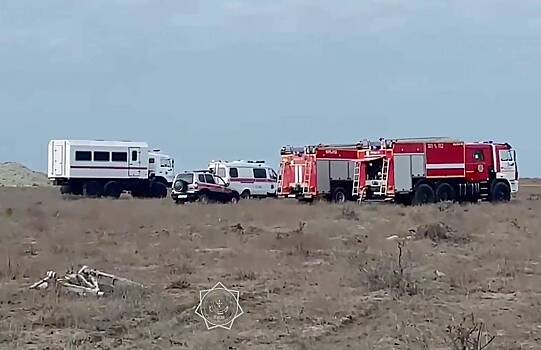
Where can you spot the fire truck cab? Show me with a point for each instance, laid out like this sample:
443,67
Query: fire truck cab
428,170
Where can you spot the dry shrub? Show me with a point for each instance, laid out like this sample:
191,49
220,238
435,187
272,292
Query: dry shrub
348,213
246,276
389,273
178,284
468,334
441,231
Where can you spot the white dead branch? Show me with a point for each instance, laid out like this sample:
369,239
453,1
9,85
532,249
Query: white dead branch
86,281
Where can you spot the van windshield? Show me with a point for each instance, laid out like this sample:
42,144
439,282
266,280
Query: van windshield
186,177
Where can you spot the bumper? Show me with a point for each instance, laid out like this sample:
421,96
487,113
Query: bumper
514,187
183,196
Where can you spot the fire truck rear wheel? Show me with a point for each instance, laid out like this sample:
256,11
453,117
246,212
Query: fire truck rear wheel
424,194
445,193
112,189
339,195
500,192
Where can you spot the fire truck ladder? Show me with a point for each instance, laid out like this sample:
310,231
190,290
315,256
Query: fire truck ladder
307,176
280,179
356,179
384,177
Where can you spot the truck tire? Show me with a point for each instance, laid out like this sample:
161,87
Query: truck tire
424,194
339,195
445,193
112,189
245,194
158,190
91,189
65,189
500,192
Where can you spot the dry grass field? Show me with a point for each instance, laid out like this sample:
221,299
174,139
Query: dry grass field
310,276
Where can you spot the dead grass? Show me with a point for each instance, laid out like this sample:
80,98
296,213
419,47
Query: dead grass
310,276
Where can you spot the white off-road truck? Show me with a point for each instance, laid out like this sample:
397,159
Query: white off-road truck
96,168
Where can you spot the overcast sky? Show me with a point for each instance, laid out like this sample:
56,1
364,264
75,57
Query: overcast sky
238,79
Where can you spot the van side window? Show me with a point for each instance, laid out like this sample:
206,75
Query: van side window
83,155
134,156
273,174
119,157
101,156
221,172
260,173
479,156
201,178
233,172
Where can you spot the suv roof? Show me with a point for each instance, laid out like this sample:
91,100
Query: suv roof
195,171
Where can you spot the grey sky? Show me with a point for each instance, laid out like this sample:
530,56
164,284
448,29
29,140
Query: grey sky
238,79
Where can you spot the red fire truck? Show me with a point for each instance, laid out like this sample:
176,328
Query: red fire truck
424,171
318,171
418,171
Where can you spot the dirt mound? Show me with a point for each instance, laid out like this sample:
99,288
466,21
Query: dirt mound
17,175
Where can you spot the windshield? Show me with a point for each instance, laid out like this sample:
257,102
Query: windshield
165,163
185,177
506,156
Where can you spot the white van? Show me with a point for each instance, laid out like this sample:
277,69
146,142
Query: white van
248,178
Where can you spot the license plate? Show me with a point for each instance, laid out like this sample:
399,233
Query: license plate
182,196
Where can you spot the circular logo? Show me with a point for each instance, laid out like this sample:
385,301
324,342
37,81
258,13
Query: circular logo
219,307
480,168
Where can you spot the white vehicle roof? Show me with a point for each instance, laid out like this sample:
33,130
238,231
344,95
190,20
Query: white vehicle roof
105,143
243,163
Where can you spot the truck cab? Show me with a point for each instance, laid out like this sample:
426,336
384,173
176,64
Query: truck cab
494,164
161,166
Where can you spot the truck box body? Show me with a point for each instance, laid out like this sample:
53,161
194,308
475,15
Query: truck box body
316,171
97,159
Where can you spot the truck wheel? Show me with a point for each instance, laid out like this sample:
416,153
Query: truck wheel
445,192
91,189
424,194
245,194
65,189
500,192
339,195
112,189
158,190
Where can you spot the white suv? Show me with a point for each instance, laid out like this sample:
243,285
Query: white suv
249,178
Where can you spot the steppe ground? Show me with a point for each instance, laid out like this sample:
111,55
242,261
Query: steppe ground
315,276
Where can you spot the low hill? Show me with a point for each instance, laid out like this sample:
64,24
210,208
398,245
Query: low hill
17,175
